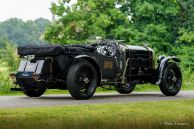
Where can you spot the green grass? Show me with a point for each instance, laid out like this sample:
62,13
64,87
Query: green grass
144,115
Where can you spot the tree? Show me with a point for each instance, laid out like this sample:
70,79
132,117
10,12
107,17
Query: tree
9,55
164,25
20,32
186,30
87,18
156,23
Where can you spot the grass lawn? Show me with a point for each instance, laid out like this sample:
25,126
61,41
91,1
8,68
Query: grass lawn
143,115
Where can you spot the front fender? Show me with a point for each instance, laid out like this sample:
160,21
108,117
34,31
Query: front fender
81,56
162,65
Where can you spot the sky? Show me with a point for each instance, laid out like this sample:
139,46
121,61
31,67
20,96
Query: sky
25,9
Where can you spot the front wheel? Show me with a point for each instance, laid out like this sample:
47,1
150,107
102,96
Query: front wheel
82,80
171,80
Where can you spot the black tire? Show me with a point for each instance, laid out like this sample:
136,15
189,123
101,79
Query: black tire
171,80
82,80
125,88
33,92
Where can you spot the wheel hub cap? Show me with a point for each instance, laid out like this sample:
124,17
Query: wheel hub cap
174,79
86,80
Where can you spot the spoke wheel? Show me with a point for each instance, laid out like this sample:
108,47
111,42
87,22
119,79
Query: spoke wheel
82,80
172,80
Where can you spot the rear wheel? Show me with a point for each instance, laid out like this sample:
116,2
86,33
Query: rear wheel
33,92
125,88
82,80
172,80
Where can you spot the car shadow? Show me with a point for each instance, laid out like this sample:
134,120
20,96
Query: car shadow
105,96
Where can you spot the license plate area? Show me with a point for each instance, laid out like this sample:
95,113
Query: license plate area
25,74
34,67
31,67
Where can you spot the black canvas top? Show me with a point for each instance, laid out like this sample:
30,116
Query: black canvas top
47,50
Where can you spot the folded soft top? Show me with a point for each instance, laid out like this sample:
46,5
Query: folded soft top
47,50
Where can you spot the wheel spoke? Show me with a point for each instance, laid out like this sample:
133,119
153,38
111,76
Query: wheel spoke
84,79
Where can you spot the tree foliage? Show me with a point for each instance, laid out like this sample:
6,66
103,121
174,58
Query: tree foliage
9,55
86,19
16,32
20,32
167,26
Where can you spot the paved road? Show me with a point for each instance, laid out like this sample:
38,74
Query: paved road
53,100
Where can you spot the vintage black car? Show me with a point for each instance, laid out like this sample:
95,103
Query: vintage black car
83,68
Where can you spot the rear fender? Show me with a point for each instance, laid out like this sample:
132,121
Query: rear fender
162,65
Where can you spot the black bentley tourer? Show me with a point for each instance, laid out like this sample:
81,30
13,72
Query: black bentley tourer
82,68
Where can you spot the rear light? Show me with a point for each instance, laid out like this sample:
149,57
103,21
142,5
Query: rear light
36,77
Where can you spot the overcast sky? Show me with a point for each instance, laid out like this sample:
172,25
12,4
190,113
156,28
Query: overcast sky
25,9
